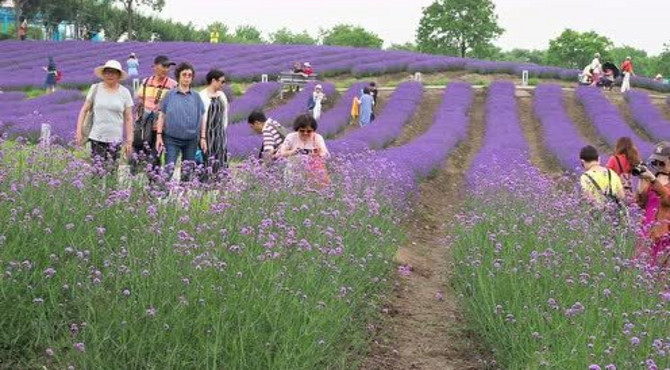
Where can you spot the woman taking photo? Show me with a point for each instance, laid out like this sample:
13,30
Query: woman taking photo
216,116
625,157
111,106
306,151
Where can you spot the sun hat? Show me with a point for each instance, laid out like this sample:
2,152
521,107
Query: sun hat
111,64
307,64
132,54
318,87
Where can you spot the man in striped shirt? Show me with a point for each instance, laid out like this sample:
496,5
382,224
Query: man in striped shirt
273,134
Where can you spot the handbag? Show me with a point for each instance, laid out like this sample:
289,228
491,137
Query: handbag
87,126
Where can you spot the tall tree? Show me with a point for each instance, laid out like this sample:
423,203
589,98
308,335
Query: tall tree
348,35
246,34
130,7
408,46
457,26
574,49
284,36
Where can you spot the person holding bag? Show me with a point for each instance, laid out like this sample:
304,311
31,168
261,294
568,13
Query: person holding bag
108,108
150,94
216,115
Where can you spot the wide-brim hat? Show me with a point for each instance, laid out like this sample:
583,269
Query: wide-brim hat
318,87
307,64
112,64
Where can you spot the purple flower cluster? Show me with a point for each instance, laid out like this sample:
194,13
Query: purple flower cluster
256,97
426,152
563,139
607,119
505,150
388,125
647,115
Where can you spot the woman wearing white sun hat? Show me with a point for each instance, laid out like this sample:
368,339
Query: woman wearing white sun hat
111,105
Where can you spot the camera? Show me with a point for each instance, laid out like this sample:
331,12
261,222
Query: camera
305,151
639,169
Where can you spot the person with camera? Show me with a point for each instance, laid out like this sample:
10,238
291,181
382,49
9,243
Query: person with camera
273,134
306,151
599,184
654,197
150,93
626,155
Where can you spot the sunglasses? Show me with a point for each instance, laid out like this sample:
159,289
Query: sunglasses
110,71
186,74
305,131
657,163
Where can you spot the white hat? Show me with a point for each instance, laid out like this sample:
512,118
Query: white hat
112,64
318,87
307,64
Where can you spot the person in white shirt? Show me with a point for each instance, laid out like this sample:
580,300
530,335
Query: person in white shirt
216,116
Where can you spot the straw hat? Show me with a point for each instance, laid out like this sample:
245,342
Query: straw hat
111,64
307,64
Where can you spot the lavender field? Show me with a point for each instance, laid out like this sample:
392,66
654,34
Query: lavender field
263,272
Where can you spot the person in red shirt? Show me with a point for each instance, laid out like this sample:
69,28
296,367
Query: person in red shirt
626,155
307,69
627,69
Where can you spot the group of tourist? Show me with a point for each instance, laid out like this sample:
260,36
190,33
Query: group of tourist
605,74
612,186
363,105
172,118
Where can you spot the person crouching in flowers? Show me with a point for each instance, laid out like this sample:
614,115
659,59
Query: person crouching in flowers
112,106
306,152
654,197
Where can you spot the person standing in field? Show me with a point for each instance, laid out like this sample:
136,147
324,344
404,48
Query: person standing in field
216,116
365,107
112,108
374,93
596,69
654,197
599,184
150,93
315,102
626,155
133,66
627,69
181,125
52,76
23,30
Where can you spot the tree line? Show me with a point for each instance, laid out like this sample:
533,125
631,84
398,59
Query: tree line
466,28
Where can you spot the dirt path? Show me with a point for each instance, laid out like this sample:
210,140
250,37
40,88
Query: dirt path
422,330
623,107
532,128
423,118
583,122
664,107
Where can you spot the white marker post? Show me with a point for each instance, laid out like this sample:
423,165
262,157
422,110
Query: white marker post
417,77
264,78
45,135
136,84
524,78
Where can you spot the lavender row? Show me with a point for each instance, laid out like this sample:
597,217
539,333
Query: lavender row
425,153
607,119
647,115
504,152
402,105
256,97
561,135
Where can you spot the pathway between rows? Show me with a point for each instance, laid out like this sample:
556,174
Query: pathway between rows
424,327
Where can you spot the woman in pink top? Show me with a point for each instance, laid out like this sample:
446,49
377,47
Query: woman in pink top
306,151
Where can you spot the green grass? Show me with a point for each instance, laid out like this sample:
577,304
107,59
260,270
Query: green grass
259,277
511,265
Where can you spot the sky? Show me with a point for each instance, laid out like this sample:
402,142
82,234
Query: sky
528,24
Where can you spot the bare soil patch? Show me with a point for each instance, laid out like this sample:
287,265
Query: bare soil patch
532,128
423,118
664,107
584,125
423,331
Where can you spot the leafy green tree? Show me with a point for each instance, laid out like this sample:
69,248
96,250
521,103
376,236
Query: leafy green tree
247,34
486,51
284,36
662,63
348,35
457,27
643,64
130,7
574,49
